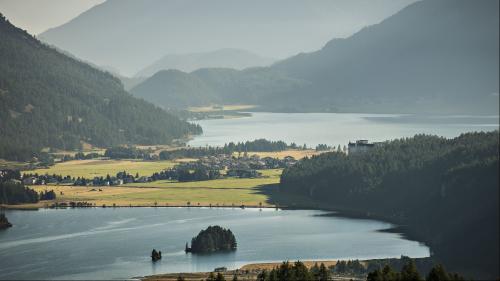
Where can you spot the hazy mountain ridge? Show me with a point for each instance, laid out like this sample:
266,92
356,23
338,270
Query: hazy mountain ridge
142,31
434,54
48,99
223,58
177,89
431,57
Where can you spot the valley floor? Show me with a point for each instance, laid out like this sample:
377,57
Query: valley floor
223,192
227,192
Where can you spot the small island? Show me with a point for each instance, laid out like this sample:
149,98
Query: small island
155,255
4,222
212,239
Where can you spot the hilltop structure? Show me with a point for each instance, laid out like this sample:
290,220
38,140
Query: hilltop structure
360,146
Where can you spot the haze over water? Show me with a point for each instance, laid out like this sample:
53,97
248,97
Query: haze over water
336,128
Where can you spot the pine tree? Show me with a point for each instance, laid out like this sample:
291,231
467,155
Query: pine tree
438,273
220,277
409,272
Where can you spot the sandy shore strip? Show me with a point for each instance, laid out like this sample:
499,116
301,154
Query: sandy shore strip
246,272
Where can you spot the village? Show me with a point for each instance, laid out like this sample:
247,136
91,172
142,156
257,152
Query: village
205,168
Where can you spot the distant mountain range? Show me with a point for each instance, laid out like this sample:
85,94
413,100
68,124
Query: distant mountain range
48,99
223,58
131,34
176,89
431,57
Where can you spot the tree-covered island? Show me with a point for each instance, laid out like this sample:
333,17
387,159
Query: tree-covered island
212,239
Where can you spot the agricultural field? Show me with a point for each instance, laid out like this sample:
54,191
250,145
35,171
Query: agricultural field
99,167
220,192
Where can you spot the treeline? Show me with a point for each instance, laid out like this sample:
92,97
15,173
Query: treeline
362,268
48,99
13,191
444,190
258,145
409,272
123,152
296,271
199,173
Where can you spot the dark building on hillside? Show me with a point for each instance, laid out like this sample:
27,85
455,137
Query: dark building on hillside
360,146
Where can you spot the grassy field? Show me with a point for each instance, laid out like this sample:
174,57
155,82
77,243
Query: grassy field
221,192
97,167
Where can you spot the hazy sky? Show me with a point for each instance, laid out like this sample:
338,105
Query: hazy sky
37,16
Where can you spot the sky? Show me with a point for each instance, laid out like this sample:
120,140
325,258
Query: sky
36,16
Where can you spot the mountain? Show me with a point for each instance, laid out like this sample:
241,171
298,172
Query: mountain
223,58
443,192
129,82
141,31
433,56
176,89
48,99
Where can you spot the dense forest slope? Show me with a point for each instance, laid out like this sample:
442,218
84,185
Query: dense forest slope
444,190
48,99
223,58
432,56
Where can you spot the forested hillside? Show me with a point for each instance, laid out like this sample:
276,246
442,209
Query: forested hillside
174,88
444,190
48,99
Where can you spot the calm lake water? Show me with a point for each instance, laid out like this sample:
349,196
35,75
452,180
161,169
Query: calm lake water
98,243
335,128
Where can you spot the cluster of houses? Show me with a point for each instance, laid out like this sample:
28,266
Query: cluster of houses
254,162
208,167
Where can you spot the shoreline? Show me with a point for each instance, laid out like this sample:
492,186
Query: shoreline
245,272
250,271
51,205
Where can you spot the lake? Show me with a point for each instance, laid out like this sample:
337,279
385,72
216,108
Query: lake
335,128
107,243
